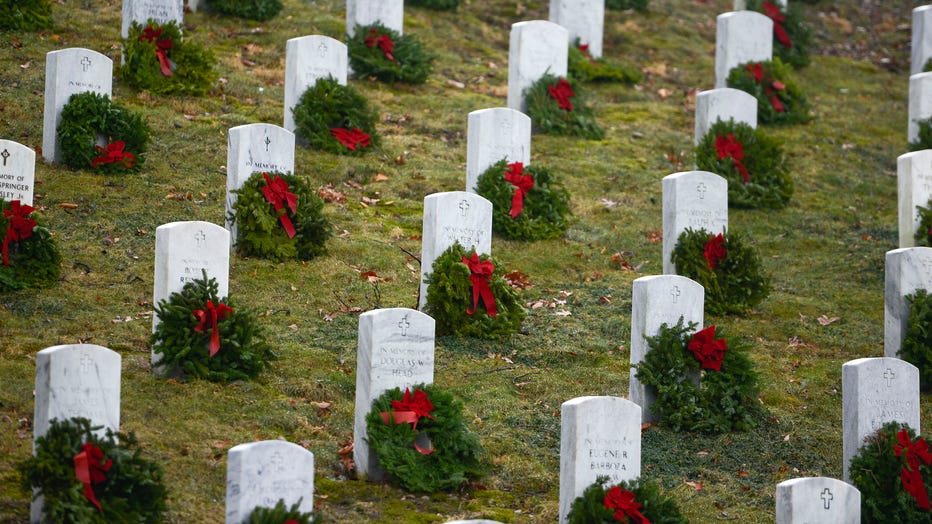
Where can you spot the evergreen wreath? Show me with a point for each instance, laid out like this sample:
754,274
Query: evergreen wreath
450,298
127,487
916,347
924,138
752,162
30,255
159,60
724,400
260,10
436,5
638,5
791,34
604,504
454,454
582,66
556,108
88,115
928,67
377,51
220,343
734,283
282,514
779,98
923,235
25,15
328,106
261,225
887,462
544,207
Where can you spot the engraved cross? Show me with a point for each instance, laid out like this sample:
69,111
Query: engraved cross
85,363
464,207
200,237
701,189
267,142
322,49
404,325
277,461
827,498
5,154
889,375
676,293
85,63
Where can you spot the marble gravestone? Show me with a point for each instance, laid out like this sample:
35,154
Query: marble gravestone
694,200
741,36
725,104
454,216
395,350
584,19
920,103
658,300
17,172
308,59
535,48
140,11
68,72
494,134
914,188
259,474
921,49
599,436
817,500
906,270
389,13
876,391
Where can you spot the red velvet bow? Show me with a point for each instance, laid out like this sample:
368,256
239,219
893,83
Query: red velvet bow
151,34
728,147
351,138
523,183
585,49
779,31
114,153
384,42
915,451
756,70
481,275
276,193
770,88
19,227
714,250
89,467
409,410
562,92
624,505
912,483
708,351
208,318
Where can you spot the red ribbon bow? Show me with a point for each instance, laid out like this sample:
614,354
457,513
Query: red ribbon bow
729,147
523,183
779,31
19,227
708,351
114,153
915,452
562,92
276,193
384,42
585,49
351,138
481,275
211,316
714,250
151,34
89,467
770,88
409,410
912,483
624,505
756,70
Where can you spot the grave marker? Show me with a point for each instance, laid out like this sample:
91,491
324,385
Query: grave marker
920,103
389,13
162,11
818,500
584,19
308,59
914,188
723,104
906,270
741,36
494,134
17,172
695,200
921,49
535,48
259,474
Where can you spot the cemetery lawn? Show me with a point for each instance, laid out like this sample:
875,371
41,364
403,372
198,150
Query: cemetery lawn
824,252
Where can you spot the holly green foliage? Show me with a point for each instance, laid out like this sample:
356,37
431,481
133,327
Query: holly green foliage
34,262
327,105
412,64
546,205
791,97
87,115
737,283
589,508
25,15
437,5
770,184
798,31
243,353
875,471
281,513
458,456
639,5
924,138
723,400
260,10
449,295
923,235
547,116
260,232
132,492
584,68
917,340
193,69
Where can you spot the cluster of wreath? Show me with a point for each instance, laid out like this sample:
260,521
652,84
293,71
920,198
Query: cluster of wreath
635,501
84,477
582,66
639,5
90,115
25,15
752,162
202,335
527,203
30,257
281,514
779,98
916,347
791,34
924,137
335,118
158,59
260,10
729,271
422,441
923,234
556,108
467,296
720,396
377,51
436,5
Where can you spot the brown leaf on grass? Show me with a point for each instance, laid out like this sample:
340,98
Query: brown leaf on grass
664,93
222,444
824,320
656,69
562,313
248,63
328,194
695,485
352,183
323,406
517,279
380,177
67,205
346,454
645,426
610,203
26,64
605,299
190,117
400,160
654,237
742,474
621,259
370,201
371,276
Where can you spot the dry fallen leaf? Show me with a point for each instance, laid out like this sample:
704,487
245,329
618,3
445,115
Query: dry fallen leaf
695,485
824,320
517,279
664,93
379,177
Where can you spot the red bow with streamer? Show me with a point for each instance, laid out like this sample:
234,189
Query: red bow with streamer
276,193
916,451
624,505
89,467
211,315
585,49
729,147
708,351
162,45
779,31
19,227
409,410
562,92
771,87
523,183
114,153
351,138
481,275
384,42
714,250
912,483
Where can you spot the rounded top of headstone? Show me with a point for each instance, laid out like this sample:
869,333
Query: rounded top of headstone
807,480
541,24
919,156
78,347
602,399
878,362
747,15
920,77
259,125
266,444
686,281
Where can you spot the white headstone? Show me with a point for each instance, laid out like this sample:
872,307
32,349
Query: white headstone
921,49
914,188
741,36
67,72
920,103
140,11
599,436
694,200
494,134
308,59
17,172
389,13
818,500
658,300
723,104
905,271
536,48
876,391
454,216
584,19
259,474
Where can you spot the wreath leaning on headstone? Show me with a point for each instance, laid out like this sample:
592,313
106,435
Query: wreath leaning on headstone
779,98
436,5
556,108
25,15
791,34
752,162
527,203
639,5
729,271
158,59
923,234
377,51
260,10
90,115
30,256
924,137
282,514
335,118
582,66
422,441
634,502
91,479
724,399
916,347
